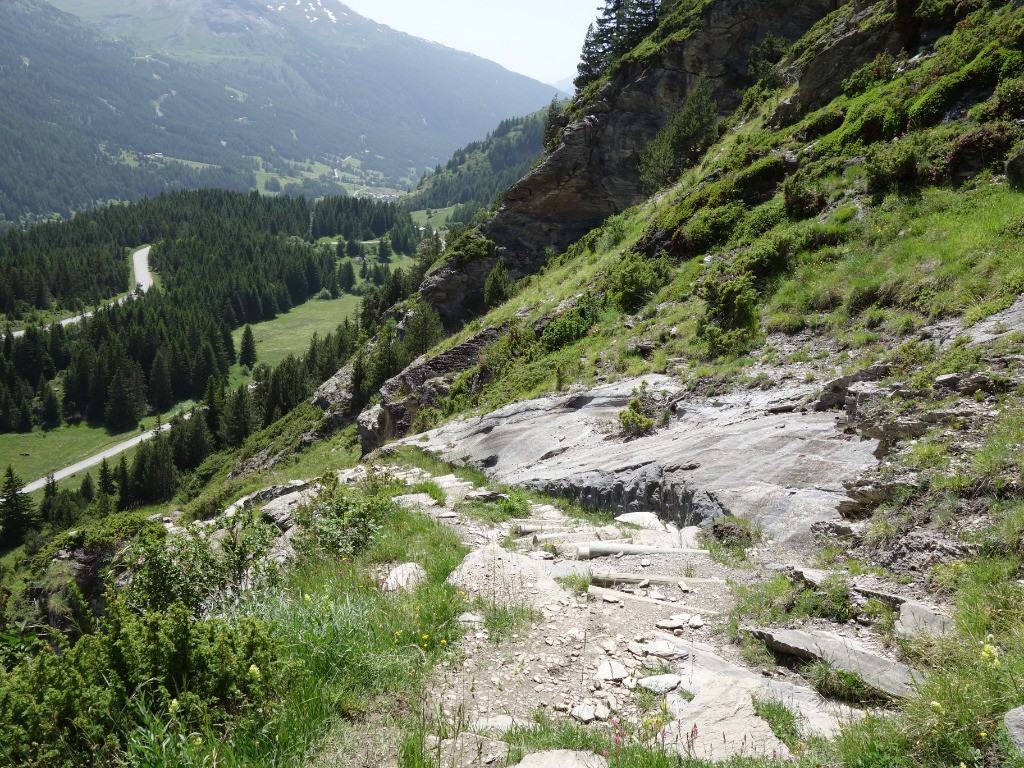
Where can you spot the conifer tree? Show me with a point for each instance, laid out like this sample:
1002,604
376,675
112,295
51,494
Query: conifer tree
106,479
51,408
17,512
499,286
346,276
161,393
247,354
87,490
122,411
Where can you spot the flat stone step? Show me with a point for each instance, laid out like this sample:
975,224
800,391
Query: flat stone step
884,675
597,549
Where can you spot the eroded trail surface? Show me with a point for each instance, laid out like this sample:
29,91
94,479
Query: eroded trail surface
636,636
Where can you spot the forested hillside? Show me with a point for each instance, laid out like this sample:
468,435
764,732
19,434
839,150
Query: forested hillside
479,172
225,260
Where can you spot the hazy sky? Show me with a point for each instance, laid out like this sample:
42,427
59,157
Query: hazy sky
539,38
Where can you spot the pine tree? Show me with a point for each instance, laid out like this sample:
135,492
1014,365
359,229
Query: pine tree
423,329
51,408
122,411
238,417
247,355
161,393
17,513
213,401
384,250
87,490
106,479
346,276
499,286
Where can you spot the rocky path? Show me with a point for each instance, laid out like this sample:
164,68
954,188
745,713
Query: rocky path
644,644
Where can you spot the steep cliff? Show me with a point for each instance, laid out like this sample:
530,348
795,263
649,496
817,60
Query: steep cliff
593,171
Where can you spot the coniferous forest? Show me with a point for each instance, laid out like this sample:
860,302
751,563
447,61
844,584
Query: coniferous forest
225,260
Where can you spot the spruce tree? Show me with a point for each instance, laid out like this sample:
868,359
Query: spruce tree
51,408
161,393
17,512
247,354
122,411
346,276
106,479
87,490
499,286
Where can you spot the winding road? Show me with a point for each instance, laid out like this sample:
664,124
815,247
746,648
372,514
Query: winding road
143,281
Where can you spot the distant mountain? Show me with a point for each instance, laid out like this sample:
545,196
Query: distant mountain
236,90
566,85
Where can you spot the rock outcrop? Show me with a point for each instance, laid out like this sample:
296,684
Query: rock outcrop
730,454
593,173
421,385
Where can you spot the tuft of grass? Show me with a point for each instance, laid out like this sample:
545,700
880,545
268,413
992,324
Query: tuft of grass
780,719
432,489
505,622
577,583
837,683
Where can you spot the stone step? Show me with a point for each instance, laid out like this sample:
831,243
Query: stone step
884,675
597,549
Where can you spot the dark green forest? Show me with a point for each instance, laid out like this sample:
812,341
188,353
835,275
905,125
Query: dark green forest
225,259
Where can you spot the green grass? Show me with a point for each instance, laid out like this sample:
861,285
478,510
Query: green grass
438,218
355,651
289,334
409,455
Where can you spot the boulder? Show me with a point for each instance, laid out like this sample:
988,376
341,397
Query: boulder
1014,722
919,620
660,684
404,578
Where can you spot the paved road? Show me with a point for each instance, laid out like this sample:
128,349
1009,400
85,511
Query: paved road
143,279
92,461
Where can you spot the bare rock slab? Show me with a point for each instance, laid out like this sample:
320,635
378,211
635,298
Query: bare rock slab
646,520
882,674
720,723
404,578
563,758
919,620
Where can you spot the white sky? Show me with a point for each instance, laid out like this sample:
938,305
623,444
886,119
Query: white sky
539,38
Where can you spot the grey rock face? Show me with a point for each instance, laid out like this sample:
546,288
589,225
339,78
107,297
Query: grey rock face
889,677
420,385
1014,722
785,470
593,173
850,44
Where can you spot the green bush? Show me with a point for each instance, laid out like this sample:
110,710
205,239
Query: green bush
802,197
634,421
74,707
1010,97
634,279
892,167
573,325
881,70
708,228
